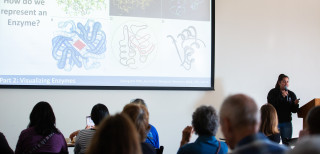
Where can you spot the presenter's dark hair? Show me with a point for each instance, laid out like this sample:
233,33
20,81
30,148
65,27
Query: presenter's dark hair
98,113
280,78
42,119
205,120
313,120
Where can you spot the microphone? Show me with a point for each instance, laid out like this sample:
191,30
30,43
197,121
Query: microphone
286,89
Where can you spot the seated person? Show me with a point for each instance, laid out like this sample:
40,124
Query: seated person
309,139
152,136
269,122
41,136
98,113
139,115
116,135
239,119
4,146
205,123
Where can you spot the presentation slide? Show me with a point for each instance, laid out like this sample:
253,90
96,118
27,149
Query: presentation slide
106,43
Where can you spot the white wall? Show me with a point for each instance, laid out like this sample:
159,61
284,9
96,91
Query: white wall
256,40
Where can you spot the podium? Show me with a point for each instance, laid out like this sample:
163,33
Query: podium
303,110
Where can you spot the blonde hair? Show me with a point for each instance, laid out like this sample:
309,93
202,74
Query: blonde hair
140,117
116,135
269,120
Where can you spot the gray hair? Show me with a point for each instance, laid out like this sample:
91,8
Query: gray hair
241,110
205,120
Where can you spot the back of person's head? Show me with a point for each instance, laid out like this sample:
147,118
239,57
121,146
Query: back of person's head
139,101
98,113
42,119
241,110
313,120
140,117
205,121
116,135
269,120
239,118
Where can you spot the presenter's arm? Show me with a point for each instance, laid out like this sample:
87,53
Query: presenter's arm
272,98
294,103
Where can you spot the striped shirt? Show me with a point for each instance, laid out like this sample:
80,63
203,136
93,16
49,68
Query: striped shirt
83,140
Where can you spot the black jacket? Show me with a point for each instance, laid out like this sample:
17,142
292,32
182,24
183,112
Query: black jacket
283,105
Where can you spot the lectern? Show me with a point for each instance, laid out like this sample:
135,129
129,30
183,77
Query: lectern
303,111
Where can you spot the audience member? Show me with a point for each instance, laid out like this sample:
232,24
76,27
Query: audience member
41,134
4,146
269,122
140,117
313,121
205,123
309,143
239,119
116,135
98,113
152,136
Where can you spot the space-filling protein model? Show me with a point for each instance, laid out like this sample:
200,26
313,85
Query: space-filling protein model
79,45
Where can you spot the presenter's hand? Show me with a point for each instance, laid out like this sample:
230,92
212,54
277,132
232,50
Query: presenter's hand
284,93
186,135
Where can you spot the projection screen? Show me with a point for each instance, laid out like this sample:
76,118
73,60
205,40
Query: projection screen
107,44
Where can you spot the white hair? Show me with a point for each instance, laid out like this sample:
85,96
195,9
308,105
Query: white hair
241,110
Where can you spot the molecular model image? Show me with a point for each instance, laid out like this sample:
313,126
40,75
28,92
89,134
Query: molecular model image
79,45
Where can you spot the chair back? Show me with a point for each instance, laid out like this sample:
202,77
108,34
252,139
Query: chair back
160,150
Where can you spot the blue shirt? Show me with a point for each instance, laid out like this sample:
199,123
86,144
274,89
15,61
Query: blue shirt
204,145
258,144
152,137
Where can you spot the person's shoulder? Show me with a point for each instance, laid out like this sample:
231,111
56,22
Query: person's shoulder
152,128
273,90
308,144
84,133
30,130
276,148
261,146
58,133
1,134
187,148
147,148
291,92
224,146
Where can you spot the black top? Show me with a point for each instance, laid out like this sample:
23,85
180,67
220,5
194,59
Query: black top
283,105
4,146
147,148
274,137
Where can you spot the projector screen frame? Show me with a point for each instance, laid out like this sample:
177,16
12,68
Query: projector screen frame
135,87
